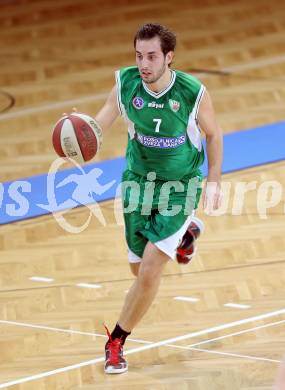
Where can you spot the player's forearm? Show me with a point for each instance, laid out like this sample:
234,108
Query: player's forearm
109,112
105,117
215,156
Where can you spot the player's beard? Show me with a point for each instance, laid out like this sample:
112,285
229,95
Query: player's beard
158,75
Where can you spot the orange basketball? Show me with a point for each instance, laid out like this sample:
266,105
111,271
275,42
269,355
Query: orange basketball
77,136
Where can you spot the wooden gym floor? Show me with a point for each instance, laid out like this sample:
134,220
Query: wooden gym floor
58,54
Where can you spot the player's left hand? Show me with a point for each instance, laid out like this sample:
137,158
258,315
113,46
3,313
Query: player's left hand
212,196
74,109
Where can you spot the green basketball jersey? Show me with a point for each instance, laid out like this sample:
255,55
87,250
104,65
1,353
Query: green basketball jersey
163,134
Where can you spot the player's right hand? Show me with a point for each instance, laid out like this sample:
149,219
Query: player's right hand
212,197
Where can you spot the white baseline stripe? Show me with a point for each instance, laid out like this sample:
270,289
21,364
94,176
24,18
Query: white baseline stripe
99,96
189,347
102,359
207,331
187,299
238,333
88,285
43,327
53,372
60,330
236,355
145,347
41,279
237,305
71,331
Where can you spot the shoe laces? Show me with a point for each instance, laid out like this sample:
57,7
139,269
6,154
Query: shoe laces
114,347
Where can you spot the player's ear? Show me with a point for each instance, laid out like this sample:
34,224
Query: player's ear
169,57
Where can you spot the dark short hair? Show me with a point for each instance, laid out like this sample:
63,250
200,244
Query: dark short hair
151,30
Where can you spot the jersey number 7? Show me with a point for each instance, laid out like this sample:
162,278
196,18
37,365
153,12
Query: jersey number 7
158,122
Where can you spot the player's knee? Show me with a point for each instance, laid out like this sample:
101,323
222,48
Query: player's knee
146,280
135,268
148,276
151,266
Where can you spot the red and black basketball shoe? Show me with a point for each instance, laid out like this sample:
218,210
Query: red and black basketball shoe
187,248
115,363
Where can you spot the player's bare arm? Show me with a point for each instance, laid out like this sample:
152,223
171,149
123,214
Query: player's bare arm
214,139
109,112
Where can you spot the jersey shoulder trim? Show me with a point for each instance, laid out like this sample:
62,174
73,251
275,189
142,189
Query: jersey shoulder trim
127,80
200,95
193,89
189,82
118,84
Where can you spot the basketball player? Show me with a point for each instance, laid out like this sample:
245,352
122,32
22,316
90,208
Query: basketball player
164,110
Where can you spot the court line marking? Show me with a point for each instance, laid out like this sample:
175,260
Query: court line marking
238,333
143,348
207,331
41,279
61,330
51,106
189,348
102,359
236,355
43,327
88,285
237,305
187,299
103,95
71,331
256,64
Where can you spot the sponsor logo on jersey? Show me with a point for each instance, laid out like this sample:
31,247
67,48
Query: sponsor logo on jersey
155,105
161,142
138,102
174,105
